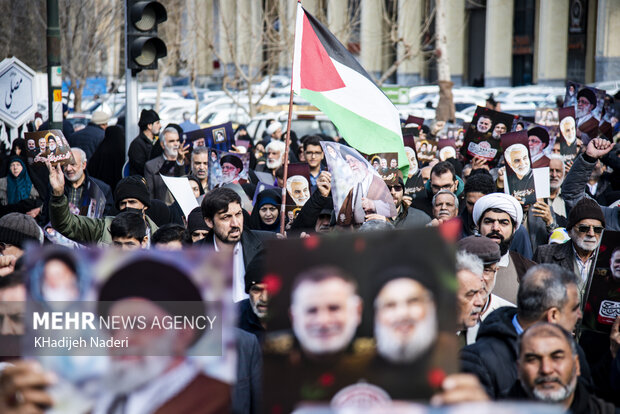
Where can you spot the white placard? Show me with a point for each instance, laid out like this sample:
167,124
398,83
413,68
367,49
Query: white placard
182,192
541,182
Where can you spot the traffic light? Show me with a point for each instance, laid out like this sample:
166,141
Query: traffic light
143,47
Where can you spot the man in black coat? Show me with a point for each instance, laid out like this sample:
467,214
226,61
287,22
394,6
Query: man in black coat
89,138
140,149
223,214
547,293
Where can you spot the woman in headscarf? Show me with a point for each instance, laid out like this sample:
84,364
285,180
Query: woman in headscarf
17,186
18,148
107,161
266,211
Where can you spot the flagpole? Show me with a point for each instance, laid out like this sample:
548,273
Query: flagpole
288,135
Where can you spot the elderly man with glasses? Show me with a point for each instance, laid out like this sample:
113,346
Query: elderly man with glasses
585,225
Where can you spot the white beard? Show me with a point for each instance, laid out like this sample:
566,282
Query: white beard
274,164
394,350
587,245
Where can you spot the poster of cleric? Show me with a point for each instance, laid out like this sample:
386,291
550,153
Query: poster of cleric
48,146
588,103
227,168
357,188
602,302
353,321
107,322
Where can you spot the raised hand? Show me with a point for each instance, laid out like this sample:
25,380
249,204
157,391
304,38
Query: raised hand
57,179
598,147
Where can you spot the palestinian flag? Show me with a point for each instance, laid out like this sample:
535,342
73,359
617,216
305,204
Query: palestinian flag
327,75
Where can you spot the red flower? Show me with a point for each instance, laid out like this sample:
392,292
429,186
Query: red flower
327,380
450,230
435,377
311,242
273,282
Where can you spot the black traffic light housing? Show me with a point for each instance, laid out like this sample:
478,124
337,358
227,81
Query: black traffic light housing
143,47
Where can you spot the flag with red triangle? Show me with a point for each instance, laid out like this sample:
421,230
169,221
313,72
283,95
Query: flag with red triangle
328,76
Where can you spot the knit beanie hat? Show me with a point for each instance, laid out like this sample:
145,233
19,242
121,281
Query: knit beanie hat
18,228
586,208
195,221
133,186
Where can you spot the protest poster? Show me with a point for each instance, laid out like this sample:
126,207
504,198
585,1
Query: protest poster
135,315
93,203
220,137
48,146
519,177
364,346
357,189
227,168
546,116
414,121
602,300
426,149
385,164
414,183
567,134
446,148
482,137
588,103
298,184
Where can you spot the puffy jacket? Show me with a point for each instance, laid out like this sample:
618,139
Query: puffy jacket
83,229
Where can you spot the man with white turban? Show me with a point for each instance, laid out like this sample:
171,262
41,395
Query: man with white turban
274,130
498,216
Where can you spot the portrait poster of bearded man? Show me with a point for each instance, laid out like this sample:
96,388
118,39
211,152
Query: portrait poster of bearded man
482,137
228,168
567,134
602,299
353,307
298,184
519,177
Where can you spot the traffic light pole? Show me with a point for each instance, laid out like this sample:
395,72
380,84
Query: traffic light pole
131,96
131,107
54,71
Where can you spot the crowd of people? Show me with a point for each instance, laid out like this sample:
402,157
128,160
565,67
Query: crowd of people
522,270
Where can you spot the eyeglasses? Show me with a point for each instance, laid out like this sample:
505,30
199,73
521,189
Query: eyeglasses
396,188
585,229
